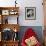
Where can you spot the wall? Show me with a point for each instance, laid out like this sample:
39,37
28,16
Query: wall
25,3
39,13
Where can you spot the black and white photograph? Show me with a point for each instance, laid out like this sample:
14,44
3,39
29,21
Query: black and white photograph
30,13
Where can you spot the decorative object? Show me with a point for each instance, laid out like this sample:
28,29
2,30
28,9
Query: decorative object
0,36
7,34
13,20
13,12
15,37
6,21
31,41
15,3
5,12
0,19
30,13
15,30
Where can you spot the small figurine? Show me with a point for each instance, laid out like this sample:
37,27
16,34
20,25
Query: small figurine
6,21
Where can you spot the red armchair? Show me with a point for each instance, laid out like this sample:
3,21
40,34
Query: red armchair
29,36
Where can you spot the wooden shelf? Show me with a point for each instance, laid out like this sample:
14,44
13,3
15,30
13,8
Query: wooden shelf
10,43
11,26
4,13
9,8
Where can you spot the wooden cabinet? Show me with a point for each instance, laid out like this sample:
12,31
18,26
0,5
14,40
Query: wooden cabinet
7,26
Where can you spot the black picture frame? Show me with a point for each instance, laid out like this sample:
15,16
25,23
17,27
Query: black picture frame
30,13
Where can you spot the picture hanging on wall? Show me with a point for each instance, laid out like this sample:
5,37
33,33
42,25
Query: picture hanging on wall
30,13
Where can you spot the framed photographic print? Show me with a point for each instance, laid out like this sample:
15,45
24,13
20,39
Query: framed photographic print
30,13
5,12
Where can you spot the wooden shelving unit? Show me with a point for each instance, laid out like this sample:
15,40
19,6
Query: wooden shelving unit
4,13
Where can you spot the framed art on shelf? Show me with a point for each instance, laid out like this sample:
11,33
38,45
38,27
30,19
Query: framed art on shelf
30,13
5,12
